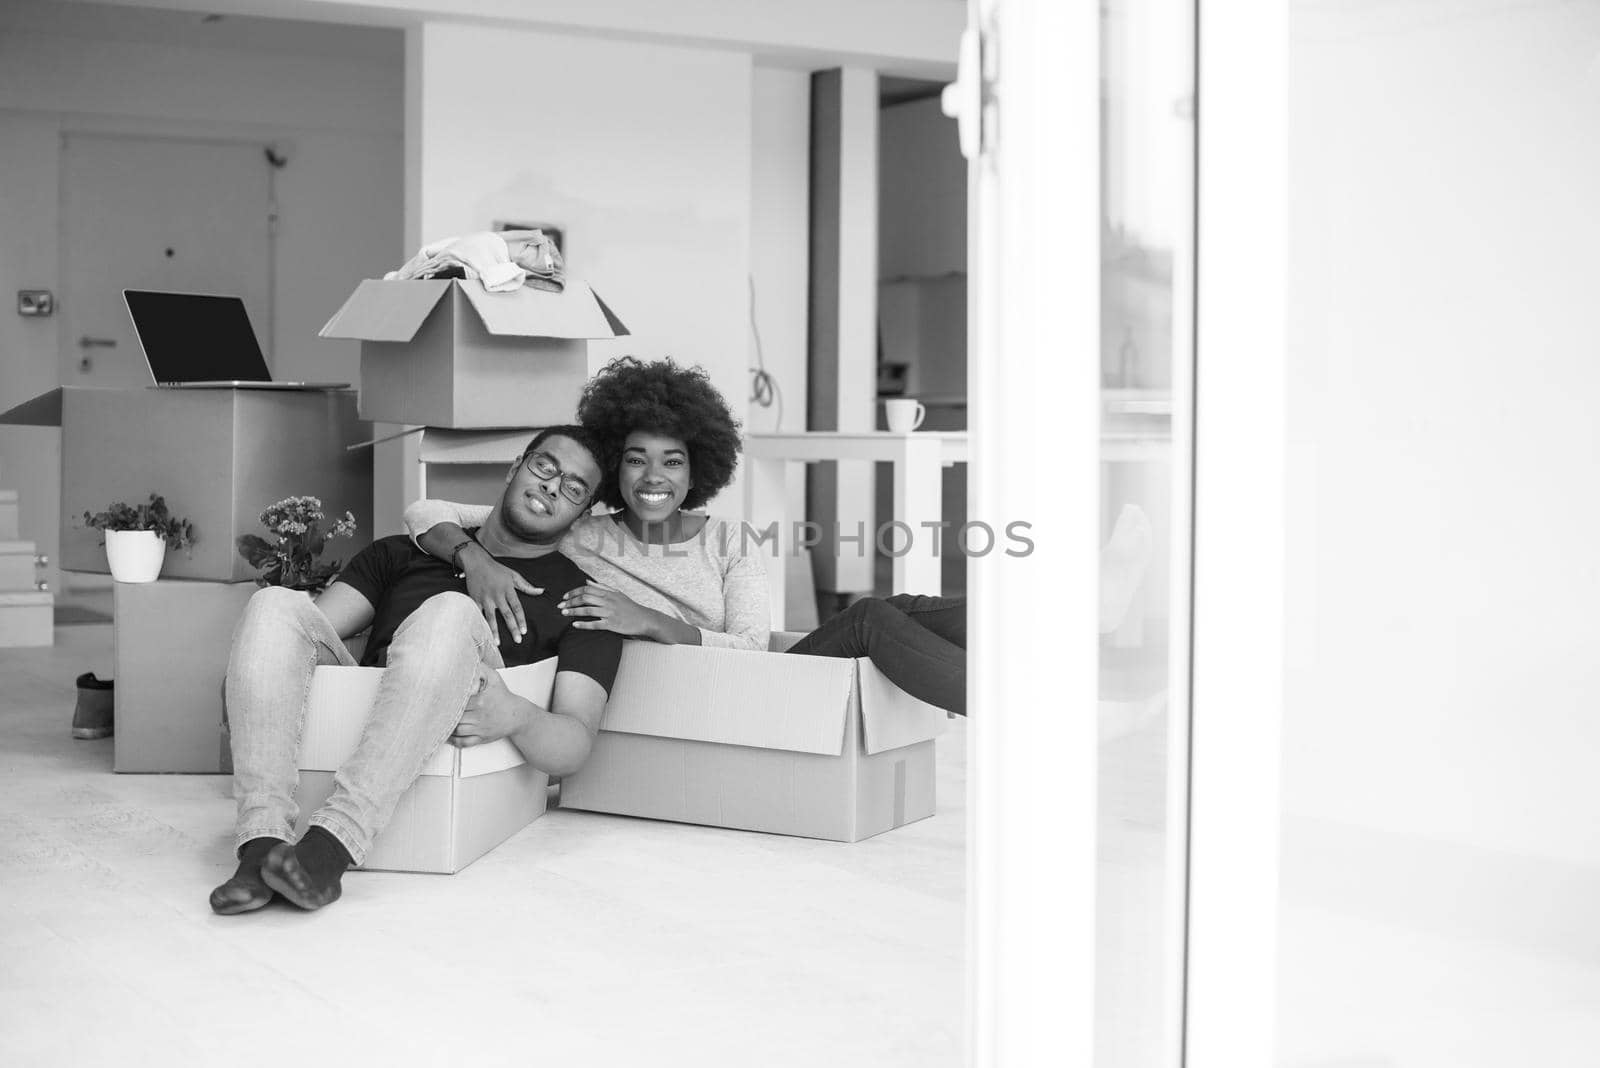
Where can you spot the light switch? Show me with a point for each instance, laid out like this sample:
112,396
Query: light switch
35,302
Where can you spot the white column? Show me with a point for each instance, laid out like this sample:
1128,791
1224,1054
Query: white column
844,300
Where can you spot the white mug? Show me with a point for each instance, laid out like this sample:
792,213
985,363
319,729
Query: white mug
904,416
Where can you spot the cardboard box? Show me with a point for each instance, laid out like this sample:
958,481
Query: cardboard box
451,354
219,457
355,646
17,568
9,515
799,745
170,654
27,618
463,804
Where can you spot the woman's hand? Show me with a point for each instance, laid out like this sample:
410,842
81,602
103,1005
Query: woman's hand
493,587
603,608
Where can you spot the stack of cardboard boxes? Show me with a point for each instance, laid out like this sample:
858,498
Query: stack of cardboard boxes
26,611
219,457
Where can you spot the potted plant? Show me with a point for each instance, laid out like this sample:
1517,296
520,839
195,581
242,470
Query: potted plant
137,537
292,560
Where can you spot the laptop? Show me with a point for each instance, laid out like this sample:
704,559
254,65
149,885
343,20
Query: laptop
201,341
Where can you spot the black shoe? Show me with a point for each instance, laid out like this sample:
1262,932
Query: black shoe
92,718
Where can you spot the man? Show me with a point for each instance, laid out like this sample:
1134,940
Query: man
440,683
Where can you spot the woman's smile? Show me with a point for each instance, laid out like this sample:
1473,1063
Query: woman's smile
654,475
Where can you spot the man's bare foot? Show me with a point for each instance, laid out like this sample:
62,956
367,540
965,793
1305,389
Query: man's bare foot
307,873
245,892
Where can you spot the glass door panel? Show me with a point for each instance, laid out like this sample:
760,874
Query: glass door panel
1146,361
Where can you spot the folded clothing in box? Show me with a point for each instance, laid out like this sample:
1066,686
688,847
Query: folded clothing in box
800,745
463,804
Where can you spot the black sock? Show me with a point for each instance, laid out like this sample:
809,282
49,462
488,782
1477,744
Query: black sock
246,891
250,856
323,856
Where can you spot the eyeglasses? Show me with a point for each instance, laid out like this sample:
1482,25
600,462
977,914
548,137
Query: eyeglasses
542,466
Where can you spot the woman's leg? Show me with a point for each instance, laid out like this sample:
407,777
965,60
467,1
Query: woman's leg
945,616
911,656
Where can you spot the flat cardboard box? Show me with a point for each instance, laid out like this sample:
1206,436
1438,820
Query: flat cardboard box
463,804
218,456
170,654
17,568
448,353
27,619
800,745
9,515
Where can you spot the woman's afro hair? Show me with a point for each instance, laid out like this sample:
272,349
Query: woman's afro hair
662,398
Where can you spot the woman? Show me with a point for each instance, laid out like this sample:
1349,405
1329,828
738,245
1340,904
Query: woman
669,573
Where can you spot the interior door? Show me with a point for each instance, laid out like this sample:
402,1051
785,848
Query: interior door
156,213
153,213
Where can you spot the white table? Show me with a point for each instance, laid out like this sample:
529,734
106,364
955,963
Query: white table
918,459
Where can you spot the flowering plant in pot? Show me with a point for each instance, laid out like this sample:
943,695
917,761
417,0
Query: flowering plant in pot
137,537
293,560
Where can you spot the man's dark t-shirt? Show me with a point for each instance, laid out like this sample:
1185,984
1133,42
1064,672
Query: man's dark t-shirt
397,577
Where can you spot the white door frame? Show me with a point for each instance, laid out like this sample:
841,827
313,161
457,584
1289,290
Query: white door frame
1241,443
1035,410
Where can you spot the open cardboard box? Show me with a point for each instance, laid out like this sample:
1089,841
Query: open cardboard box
463,804
801,745
449,353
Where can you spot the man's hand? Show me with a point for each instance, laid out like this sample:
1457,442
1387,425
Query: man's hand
492,712
493,587
600,607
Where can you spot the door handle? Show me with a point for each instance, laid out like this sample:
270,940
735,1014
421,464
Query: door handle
97,342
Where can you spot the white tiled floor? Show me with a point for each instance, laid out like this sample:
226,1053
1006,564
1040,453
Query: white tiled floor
613,941
1408,953
629,942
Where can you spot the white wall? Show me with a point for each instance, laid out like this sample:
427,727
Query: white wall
1442,677
1444,368
329,98
641,152
780,250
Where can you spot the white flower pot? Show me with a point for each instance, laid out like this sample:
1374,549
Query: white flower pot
135,555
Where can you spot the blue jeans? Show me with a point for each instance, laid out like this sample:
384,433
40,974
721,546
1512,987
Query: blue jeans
280,641
919,643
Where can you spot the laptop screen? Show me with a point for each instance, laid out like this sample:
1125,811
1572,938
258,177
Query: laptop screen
191,337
